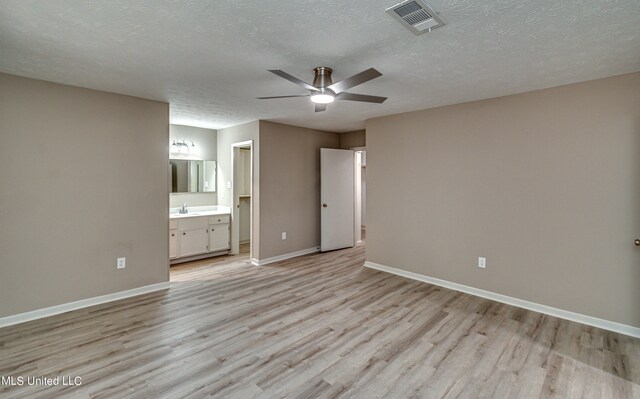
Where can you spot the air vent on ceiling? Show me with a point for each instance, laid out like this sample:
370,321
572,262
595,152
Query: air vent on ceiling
416,15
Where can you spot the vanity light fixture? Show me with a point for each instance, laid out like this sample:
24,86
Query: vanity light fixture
180,146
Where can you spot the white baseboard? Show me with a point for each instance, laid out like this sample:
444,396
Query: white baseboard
262,262
177,261
84,303
536,307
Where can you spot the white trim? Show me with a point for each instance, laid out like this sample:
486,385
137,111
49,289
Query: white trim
84,303
177,261
262,262
235,212
521,303
242,143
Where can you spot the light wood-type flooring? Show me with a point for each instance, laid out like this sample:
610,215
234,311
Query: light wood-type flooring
318,326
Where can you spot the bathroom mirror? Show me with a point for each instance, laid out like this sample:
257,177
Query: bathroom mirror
192,176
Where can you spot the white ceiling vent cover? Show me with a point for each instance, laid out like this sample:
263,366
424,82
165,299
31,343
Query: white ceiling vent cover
416,15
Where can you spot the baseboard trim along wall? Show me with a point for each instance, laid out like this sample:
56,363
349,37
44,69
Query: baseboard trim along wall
536,307
262,262
84,303
177,261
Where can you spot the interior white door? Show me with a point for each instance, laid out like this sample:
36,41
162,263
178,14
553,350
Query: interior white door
336,199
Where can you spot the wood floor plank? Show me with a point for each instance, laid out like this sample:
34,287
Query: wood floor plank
317,326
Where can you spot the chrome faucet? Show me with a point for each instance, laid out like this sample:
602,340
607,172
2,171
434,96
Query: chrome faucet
184,209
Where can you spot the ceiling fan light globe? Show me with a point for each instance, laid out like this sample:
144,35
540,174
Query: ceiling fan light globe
322,98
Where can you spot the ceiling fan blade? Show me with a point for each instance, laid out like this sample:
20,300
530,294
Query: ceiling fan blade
355,80
293,79
321,107
360,97
294,95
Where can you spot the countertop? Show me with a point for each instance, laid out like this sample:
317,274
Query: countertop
195,211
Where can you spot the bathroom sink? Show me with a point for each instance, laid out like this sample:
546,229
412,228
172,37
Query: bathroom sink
183,215
219,210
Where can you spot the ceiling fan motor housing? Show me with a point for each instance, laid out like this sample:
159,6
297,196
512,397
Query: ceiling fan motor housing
322,78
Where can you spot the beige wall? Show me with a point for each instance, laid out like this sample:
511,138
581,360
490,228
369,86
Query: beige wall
226,137
290,187
206,142
91,187
353,139
545,185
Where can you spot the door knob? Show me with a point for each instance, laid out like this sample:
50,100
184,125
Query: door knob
324,205
637,242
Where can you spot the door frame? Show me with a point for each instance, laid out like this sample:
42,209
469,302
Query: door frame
357,196
358,182
235,201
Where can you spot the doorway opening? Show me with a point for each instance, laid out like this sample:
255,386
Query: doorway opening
242,191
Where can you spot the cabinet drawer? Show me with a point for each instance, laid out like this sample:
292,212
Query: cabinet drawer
193,223
218,219
173,224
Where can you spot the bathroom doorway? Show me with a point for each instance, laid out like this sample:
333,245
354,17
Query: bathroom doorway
242,189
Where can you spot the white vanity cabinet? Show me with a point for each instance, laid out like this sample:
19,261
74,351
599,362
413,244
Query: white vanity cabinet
197,236
193,236
173,239
219,233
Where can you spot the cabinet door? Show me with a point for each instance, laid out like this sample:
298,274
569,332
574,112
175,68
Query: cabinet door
218,237
173,244
192,242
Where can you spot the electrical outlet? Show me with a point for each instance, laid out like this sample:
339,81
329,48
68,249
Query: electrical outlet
121,263
482,262
284,235
228,184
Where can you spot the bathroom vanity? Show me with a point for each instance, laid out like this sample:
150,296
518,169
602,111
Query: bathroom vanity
200,233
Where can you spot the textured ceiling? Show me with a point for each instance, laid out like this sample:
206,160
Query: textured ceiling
209,59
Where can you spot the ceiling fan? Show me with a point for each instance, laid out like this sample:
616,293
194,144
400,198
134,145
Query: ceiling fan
324,91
